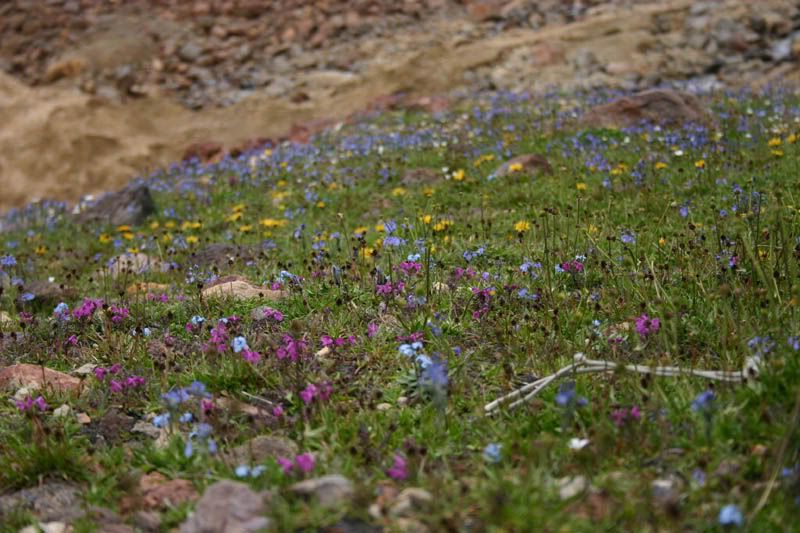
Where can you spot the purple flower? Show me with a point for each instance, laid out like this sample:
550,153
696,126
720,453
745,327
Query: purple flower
286,464
646,326
399,469
308,393
304,462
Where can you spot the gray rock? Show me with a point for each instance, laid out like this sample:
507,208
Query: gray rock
50,502
330,491
569,487
190,51
262,447
146,428
129,206
147,521
227,507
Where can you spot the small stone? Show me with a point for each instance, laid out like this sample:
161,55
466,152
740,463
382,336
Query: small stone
330,491
35,377
411,501
62,411
147,521
240,289
83,419
569,487
383,406
402,401
160,493
228,507
129,206
132,264
263,447
54,527
85,370
190,51
146,428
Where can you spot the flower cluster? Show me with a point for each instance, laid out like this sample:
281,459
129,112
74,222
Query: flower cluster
303,463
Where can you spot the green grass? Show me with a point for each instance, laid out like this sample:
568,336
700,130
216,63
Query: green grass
714,280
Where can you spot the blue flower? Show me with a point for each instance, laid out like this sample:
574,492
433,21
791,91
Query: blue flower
731,515
393,240
406,350
627,237
567,396
161,421
435,374
239,344
704,401
424,361
197,320
27,296
175,397
197,388
390,226
188,449
492,454
185,418
794,343
242,471
8,261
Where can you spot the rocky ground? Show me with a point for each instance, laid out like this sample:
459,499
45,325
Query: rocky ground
98,92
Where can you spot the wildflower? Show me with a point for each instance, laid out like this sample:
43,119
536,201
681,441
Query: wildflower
8,261
161,421
61,312
514,167
372,329
731,515
399,469
277,411
660,165
492,453
577,444
29,403
308,394
646,326
458,175
567,397
251,356
628,237
522,226
285,463
794,343
238,344
304,462
700,163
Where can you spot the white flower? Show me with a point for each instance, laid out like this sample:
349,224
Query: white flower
577,444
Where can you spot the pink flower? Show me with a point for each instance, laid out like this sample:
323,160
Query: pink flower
72,340
28,403
206,406
100,373
277,411
286,464
250,356
40,403
636,414
646,326
304,462
398,470
308,393
327,341
115,386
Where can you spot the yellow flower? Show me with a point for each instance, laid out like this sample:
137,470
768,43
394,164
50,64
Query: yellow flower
428,191
662,241
128,236
123,228
514,167
154,225
267,152
483,159
104,238
167,237
133,250
361,230
458,175
700,163
284,164
273,223
592,229
169,224
777,153
333,186
426,219
660,165
367,253
41,250
791,139
763,254
247,228
192,239
188,224
281,183
522,226
581,186
775,141
320,204
398,191
235,217
238,208
379,227
442,225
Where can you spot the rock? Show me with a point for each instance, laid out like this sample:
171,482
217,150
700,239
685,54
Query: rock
85,370
146,428
219,255
113,425
667,493
5,319
239,288
420,176
383,406
36,377
129,206
410,502
83,419
258,449
484,10
147,521
205,152
190,51
662,106
569,487
49,502
159,493
227,507
330,491
47,293
62,411
132,264
530,164
47,527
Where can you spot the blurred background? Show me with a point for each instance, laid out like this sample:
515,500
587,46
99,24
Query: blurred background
93,93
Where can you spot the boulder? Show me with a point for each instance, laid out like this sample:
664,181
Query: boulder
36,377
660,106
526,164
228,507
129,206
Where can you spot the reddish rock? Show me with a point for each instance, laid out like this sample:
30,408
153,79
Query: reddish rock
159,493
530,164
662,106
250,144
204,151
546,54
37,377
483,10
